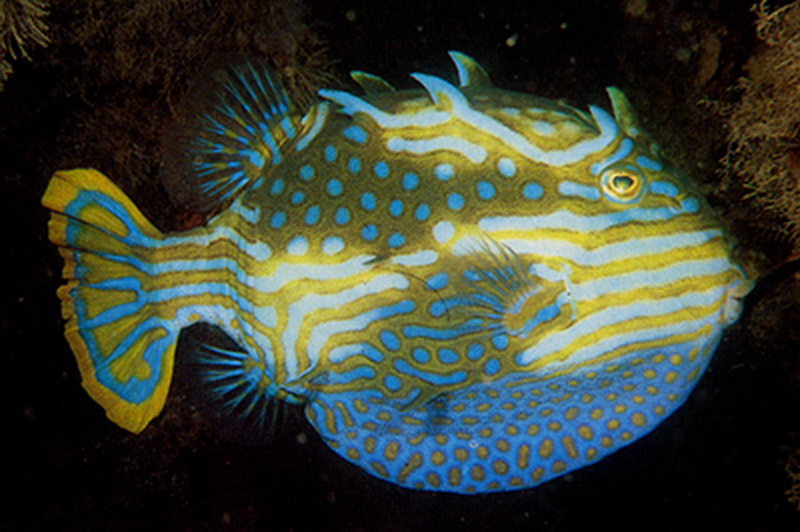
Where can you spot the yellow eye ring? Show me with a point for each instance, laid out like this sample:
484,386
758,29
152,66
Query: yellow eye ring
622,185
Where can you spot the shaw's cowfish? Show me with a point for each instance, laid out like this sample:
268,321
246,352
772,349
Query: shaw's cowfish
468,289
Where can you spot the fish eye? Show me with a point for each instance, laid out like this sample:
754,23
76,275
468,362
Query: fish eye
622,185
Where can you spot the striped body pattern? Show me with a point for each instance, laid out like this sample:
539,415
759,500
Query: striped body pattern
468,289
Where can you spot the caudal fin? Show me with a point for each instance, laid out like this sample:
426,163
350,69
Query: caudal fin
123,343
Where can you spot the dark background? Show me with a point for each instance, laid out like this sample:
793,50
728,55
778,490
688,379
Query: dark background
718,463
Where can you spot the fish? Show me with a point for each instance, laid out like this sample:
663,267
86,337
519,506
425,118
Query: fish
466,289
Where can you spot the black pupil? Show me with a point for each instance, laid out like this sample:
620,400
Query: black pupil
622,182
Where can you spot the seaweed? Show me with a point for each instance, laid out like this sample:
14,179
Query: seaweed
21,25
763,155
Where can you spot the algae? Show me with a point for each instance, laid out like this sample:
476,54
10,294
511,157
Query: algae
764,125
21,25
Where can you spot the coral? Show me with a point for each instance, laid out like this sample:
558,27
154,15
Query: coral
764,125
21,24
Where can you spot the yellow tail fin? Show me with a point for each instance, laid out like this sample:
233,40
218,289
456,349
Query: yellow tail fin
124,347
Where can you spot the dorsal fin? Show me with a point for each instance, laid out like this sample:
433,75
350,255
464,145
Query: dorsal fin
623,112
470,73
239,133
370,83
442,92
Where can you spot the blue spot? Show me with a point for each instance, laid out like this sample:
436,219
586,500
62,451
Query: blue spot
330,153
471,276
396,240
297,197
396,208
532,191
648,163
690,205
571,188
544,128
278,219
443,231
368,201
389,340
332,245
500,341
435,379
455,201
422,212
664,188
485,190
491,366
297,246
438,281
356,134
371,353
381,169
354,164
312,215
306,172
369,232
392,382
346,377
421,355
334,187
255,158
276,187
506,167
447,356
443,171
342,216
474,351
410,181
437,308
449,333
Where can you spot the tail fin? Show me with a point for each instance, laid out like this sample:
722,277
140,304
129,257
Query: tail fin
124,348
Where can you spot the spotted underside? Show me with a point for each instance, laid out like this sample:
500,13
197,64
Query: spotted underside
470,289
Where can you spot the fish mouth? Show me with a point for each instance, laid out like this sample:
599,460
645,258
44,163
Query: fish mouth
737,292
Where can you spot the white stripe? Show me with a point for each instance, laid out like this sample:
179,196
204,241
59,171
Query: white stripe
576,222
475,153
561,249
321,334
635,280
311,303
460,109
589,325
249,215
319,121
223,317
286,273
420,258
353,104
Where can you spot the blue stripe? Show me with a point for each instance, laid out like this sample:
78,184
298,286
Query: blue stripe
436,379
416,331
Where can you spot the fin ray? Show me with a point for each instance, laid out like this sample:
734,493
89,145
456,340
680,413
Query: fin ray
238,135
